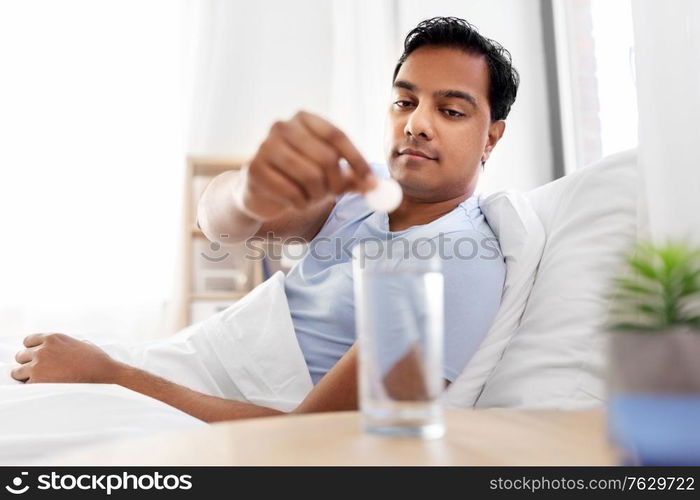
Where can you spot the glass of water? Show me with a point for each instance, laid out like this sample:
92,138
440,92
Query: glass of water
399,322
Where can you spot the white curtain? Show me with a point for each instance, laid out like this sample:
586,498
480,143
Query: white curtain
667,48
251,63
91,165
366,46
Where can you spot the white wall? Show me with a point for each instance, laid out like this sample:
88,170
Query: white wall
91,164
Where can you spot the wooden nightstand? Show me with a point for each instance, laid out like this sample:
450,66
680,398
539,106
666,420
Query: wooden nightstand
473,437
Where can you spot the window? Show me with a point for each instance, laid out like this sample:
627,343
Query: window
595,75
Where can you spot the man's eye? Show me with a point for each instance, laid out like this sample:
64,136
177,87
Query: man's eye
403,104
453,113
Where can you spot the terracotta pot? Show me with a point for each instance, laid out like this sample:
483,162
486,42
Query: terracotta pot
654,362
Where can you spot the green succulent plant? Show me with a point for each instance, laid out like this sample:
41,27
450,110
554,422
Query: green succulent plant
659,289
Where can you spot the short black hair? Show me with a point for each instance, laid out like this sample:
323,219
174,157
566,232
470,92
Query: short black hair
458,33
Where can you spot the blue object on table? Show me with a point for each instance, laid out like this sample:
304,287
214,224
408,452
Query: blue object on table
655,429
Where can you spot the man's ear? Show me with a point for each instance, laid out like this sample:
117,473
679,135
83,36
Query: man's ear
496,130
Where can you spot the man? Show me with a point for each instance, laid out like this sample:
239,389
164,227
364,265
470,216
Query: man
452,90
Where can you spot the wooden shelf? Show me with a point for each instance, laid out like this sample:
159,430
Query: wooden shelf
199,167
214,165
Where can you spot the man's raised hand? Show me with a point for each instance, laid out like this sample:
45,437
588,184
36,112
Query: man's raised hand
297,166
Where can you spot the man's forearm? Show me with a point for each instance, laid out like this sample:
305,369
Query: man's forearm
201,406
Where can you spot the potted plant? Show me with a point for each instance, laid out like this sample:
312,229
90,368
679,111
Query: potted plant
655,321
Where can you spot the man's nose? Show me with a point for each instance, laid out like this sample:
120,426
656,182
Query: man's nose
419,123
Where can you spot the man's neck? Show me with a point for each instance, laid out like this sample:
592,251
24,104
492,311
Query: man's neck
413,212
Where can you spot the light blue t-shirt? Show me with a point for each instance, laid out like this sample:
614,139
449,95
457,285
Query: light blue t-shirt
319,287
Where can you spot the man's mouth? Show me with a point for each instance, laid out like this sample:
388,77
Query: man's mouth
416,154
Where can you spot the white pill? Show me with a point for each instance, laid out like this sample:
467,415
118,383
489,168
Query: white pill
386,196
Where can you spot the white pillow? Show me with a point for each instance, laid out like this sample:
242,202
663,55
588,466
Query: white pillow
556,359
247,352
521,237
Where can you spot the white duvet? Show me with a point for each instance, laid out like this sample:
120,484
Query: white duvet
248,352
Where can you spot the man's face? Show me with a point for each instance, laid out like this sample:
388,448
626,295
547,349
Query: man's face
440,109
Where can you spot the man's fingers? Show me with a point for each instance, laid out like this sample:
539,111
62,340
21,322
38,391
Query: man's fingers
25,355
332,135
284,189
20,373
272,200
305,174
319,153
34,339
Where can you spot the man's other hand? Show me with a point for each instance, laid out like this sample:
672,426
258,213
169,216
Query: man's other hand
55,357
